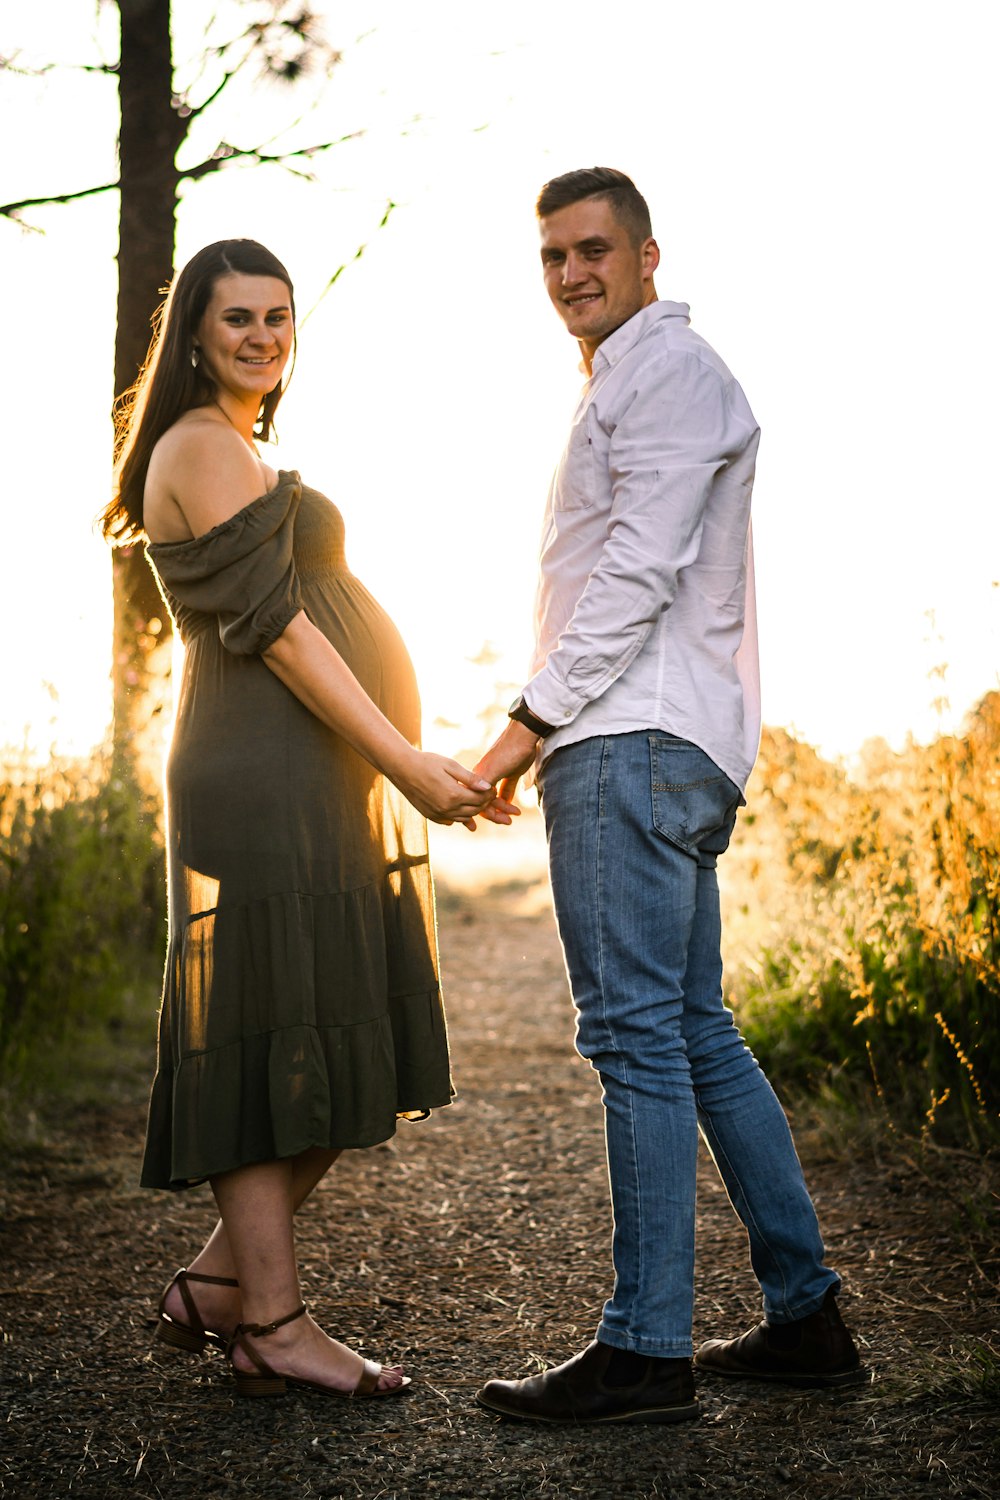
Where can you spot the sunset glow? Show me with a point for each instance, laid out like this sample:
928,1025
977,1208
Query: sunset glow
818,181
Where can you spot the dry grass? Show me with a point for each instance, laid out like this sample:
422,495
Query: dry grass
862,921
475,1245
864,931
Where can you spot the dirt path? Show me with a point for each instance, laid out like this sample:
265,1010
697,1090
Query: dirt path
471,1246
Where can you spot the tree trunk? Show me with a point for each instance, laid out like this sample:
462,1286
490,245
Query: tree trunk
151,132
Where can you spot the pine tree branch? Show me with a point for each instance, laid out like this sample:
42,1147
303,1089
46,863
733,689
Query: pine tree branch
225,154
192,111
359,252
10,65
260,38
287,47
13,210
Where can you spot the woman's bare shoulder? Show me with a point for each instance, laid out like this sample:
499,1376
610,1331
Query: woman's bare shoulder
201,473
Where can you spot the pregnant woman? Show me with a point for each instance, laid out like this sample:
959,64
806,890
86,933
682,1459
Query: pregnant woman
301,1011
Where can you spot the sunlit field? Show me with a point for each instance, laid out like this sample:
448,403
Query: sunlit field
864,929
862,921
81,905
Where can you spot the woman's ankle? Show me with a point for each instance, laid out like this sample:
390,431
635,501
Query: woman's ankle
209,1263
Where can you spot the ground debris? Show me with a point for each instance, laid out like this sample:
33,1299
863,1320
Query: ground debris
474,1245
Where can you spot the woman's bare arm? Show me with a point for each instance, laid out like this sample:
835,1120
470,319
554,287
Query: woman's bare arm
312,668
201,474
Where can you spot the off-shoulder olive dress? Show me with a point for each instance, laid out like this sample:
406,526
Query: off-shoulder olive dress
301,1004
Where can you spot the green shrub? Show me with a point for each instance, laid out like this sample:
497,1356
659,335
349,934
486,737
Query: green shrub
877,972
81,901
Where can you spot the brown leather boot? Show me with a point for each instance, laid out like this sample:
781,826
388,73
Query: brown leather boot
588,1388
813,1351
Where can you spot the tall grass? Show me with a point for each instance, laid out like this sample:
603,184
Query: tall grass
863,921
877,975
81,902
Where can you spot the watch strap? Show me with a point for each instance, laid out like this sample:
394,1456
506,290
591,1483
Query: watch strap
520,711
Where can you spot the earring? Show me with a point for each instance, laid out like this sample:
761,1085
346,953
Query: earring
195,356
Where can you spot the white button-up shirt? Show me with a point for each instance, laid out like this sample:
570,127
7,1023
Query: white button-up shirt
645,609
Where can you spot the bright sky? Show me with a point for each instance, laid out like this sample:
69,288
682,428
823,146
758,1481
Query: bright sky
821,181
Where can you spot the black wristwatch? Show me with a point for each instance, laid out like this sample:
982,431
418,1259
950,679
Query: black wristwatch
520,711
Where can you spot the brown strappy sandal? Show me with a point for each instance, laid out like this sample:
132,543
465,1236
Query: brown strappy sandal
269,1383
192,1336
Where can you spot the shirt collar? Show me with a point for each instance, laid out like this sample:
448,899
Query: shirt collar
617,344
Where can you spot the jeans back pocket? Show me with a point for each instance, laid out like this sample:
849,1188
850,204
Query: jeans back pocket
694,803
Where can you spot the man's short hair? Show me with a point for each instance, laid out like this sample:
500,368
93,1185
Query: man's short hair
627,203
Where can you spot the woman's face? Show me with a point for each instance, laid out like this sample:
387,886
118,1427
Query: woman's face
245,336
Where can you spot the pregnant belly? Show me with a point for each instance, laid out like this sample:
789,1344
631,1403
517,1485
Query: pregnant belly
364,635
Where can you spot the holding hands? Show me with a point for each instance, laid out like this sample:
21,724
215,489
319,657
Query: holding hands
505,762
445,792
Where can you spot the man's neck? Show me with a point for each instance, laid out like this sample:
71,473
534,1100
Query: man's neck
588,349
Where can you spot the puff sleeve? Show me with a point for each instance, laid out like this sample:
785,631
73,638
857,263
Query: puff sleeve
242,571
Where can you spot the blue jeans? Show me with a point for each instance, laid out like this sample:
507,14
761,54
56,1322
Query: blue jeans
635,824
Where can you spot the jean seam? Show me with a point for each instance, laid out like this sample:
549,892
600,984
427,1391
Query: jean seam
718,1150
609,1033
614,869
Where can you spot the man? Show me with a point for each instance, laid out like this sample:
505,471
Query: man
643,714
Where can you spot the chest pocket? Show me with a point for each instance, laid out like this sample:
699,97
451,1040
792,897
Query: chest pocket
577,485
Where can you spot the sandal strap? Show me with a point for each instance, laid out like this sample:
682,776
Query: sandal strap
210,1280
180,1281
368,1380
261,1330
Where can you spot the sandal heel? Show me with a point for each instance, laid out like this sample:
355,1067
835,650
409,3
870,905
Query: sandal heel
179,1337
192,1336
259,1385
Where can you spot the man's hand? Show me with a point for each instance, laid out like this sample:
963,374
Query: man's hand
508,758
441,789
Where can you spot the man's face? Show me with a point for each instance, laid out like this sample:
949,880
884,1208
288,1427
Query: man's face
597,278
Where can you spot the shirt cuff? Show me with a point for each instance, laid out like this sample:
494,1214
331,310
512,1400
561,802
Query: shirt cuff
551,700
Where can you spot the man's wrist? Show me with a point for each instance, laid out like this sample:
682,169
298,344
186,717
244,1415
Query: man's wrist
521,713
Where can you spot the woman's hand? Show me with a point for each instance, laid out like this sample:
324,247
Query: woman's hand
441,789
445,792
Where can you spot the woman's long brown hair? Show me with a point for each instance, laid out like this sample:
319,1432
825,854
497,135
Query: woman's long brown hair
168,383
